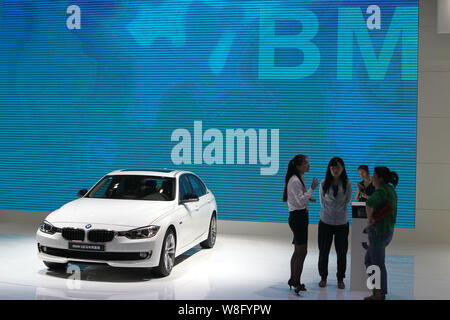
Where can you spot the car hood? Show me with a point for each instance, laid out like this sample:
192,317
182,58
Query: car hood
126,213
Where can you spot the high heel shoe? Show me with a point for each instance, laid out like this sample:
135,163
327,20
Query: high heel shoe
300,287
292,283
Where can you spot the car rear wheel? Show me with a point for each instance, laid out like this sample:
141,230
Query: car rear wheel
211,240
167,259
55,266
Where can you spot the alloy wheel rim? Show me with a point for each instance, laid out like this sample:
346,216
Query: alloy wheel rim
213,230
169,252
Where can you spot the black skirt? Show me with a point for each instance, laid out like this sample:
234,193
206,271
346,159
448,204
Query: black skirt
298,222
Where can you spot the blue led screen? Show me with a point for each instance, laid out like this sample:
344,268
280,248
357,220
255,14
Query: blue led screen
231,90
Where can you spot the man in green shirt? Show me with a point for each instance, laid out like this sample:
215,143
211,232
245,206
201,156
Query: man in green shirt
384,200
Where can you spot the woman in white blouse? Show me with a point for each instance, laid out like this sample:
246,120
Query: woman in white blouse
298,198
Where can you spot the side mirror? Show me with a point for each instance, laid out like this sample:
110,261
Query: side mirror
82,193
189,197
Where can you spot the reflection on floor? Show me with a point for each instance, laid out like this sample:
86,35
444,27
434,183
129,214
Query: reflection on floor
238,267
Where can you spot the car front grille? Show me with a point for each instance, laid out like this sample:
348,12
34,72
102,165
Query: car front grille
73,234
100,235
91,255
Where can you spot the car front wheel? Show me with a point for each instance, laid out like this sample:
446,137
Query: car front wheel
167,259
211,240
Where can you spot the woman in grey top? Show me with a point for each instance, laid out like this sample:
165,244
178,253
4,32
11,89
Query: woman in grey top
335,196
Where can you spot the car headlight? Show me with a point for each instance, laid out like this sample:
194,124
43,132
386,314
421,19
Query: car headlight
47,227
140,233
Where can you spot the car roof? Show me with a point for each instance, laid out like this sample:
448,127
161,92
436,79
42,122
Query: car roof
149,172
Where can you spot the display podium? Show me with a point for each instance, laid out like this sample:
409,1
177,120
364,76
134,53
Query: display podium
358,276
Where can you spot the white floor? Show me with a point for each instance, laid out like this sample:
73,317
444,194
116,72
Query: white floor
238,267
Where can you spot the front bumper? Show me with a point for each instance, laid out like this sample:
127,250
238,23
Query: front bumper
120,252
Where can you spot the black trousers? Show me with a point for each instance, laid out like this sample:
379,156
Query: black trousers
326,234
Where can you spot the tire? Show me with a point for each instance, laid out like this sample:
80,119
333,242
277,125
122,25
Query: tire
55,266
167,258
211,240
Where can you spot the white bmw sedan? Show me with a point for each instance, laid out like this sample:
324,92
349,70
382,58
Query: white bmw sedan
131,218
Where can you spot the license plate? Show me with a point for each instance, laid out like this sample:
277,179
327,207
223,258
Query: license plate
86,246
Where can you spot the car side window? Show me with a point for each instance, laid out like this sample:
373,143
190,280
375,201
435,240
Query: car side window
197,185
185,188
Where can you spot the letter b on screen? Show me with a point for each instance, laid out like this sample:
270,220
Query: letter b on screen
269,41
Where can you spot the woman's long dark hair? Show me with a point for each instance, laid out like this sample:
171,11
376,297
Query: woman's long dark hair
292,170
343,178
387,175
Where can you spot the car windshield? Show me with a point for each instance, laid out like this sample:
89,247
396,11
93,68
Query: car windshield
134,187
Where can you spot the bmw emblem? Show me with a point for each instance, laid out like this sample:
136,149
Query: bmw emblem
88,226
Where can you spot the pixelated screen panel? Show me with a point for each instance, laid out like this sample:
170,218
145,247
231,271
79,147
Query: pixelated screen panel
230,90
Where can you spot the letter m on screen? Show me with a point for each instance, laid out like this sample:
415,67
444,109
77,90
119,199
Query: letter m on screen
402,31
